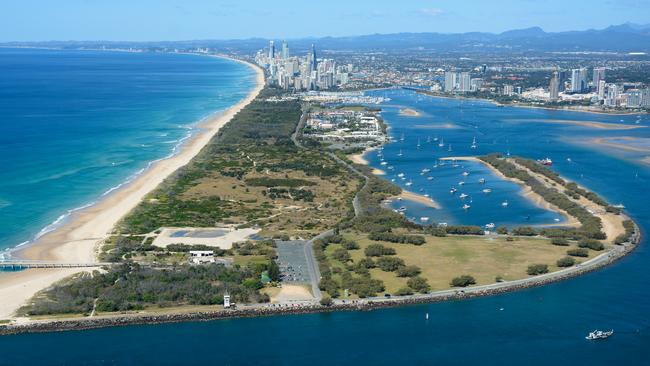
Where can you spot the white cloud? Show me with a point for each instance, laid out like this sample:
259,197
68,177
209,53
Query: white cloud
432,12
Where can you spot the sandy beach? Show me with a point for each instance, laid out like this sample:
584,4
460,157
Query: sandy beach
78,240
360,159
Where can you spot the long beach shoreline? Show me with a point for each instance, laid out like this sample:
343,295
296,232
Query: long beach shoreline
78,239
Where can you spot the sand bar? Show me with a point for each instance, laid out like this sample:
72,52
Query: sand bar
409,112
591,124
78,239
427,201
606,141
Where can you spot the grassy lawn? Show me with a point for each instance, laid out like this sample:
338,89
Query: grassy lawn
244,260
442,259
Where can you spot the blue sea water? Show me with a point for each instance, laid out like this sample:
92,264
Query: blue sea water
75,124
540,326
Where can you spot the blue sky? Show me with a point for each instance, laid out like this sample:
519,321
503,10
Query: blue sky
30,20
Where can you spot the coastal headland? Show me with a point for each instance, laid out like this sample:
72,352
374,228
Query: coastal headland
369,256
78,239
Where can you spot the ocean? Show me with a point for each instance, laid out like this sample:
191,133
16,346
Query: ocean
75,125
538,326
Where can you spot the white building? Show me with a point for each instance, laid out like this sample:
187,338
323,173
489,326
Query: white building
450,81
201,256
464,82
599,75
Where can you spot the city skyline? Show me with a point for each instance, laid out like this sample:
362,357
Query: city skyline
202,19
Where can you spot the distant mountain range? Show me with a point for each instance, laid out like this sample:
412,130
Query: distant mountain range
626,37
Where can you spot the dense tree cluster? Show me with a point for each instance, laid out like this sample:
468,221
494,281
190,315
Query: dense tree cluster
397,238
131,287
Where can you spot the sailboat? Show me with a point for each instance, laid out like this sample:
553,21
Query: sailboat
418,145
442,142
400,153
402,137
474,146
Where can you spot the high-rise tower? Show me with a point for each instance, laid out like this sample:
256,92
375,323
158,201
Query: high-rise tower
313,63
285,50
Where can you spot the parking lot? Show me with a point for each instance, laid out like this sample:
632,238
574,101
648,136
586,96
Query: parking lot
293,261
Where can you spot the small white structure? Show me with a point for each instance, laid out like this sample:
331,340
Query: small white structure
201,256
226,300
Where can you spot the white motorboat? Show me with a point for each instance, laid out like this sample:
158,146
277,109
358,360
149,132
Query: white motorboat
599,334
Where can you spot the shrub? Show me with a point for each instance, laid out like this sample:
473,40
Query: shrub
326,301
341,255
537,269
591,244
524,231
396,238
560,241
350,245
366,262
418,284
502,230
404,291
579,252
566,262
465,230
389,264
378,250
462,281
408,271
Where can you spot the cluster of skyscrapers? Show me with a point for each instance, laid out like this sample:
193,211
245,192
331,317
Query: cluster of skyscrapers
607,94
461,82
301,73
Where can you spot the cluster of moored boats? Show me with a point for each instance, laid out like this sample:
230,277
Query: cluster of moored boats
465,198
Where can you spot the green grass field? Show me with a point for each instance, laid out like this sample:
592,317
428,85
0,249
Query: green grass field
484,258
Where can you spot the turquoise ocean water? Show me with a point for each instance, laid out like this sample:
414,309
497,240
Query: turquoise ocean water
75,125
539,326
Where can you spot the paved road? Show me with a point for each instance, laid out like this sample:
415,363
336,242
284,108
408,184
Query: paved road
309,247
